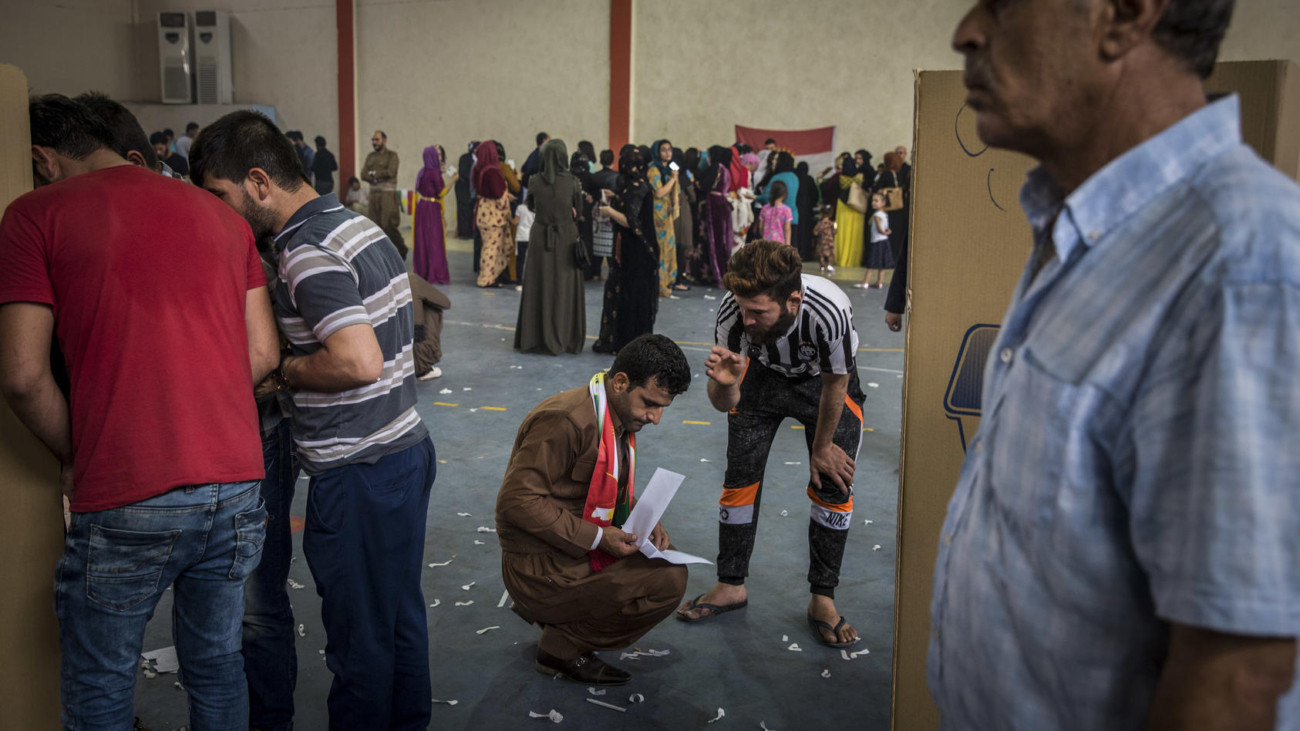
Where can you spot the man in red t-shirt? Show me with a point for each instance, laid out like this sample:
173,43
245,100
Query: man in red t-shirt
156,294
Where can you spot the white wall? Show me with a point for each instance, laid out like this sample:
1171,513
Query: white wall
451,71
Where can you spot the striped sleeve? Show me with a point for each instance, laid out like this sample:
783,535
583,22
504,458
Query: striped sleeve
835,337
324,288
730,328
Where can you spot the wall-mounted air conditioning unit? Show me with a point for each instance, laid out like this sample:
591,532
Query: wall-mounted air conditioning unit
174,58
212,65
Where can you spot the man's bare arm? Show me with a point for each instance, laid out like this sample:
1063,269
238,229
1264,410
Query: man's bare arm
1219,682
26,332
348,359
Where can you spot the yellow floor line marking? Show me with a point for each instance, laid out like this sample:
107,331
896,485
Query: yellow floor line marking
492,408
880,350
868,429
699,423
439,403
796,426
688,342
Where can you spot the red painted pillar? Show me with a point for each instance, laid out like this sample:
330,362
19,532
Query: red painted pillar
345,22
620,73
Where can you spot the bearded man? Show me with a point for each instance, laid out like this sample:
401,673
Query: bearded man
800,330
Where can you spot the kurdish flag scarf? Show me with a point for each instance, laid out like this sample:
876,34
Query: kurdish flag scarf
604,508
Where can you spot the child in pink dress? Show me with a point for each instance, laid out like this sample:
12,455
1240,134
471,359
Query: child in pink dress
776,217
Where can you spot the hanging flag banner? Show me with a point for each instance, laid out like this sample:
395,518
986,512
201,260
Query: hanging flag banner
813,146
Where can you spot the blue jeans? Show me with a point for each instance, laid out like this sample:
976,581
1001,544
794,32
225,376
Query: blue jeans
270,660
203,540
364,542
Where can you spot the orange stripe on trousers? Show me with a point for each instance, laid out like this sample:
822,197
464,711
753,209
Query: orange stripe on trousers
844,508
734,497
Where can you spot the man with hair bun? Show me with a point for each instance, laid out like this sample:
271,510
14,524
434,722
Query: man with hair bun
799,329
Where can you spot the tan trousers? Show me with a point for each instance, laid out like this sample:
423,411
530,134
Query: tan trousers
386,212
582,611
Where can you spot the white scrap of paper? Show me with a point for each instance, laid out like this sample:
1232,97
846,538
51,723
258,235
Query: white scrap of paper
876,547
794,462
178,685
845,654
472,410
485,630
703,459
465,515
147,670
603,704
467,586
785,513
873,385
826,673
163,660
763,726
485,529
467,388
721,713
446,703
554,715
860,652
436,602
444,563
595,691
445,391
629,656
465,604
302,630
649,508
295,585
868,522
505,597
477,542
785,638
709,297
794,647
636,698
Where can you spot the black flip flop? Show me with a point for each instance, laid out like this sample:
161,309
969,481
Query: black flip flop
817,627
714,610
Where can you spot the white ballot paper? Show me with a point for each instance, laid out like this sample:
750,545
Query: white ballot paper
649,508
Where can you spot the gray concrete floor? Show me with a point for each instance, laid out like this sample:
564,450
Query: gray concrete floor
738,662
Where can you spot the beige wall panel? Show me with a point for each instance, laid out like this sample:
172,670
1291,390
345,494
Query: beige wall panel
70,46
450,71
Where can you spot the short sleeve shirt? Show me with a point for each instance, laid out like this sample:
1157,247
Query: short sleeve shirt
774,219
821,340
148,279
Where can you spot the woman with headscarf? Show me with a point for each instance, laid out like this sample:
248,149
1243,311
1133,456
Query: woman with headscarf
899,220
716,223
783,170
866,168
427,223
806,209
511,176
580,169
663,185
743,214
739,173
848,222
465,195
632,289
684,227
553,311
492,215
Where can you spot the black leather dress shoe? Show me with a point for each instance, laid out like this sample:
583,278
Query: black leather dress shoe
586,669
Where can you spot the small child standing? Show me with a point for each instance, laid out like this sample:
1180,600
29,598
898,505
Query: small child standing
776,215
524,218
824,234
881,256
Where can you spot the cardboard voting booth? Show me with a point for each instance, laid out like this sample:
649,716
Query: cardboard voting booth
32,539
970,242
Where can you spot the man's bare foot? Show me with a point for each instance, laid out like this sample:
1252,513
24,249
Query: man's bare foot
822,609
719,596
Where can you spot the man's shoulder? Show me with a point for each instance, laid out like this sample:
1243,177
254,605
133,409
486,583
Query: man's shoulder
572,408
1255,210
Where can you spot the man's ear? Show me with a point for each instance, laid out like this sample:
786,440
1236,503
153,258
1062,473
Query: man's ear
619,383
45,164
1126,24
135,158
261,183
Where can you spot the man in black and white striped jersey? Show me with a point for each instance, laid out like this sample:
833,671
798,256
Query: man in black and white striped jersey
799,329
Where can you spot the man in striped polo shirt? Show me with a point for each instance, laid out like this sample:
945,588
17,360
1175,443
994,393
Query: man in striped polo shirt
799,329
343,300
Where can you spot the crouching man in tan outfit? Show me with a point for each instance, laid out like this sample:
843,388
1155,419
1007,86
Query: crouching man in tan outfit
570,483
